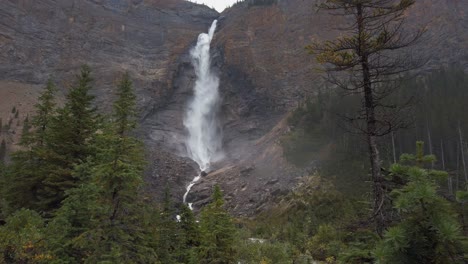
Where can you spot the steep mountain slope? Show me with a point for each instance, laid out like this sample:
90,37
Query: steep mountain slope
258,50
46,38
49,38
266,71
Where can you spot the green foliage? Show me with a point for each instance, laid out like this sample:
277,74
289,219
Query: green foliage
26,128
218,233
30,165
190,234
45,111
428,231
301,219
250,250
72,134
462,196
22,239
108,226
325,243
170,237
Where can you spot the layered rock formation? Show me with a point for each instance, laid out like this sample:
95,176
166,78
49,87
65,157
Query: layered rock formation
258,50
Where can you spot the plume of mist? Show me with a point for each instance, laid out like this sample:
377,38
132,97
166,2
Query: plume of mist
204,140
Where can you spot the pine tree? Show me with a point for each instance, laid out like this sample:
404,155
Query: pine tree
366,53
218,232
428,231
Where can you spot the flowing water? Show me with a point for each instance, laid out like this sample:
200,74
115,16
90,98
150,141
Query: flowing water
204,140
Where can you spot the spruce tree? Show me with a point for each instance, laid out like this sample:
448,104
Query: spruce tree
45,111
169,235
118,172
218,232
110,226
71,135
190,231
31,164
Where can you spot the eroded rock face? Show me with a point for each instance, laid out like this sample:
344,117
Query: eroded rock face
258,52
147,38
53,38
265,72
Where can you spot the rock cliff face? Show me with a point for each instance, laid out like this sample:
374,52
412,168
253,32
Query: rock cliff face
258,51
46,38
266,72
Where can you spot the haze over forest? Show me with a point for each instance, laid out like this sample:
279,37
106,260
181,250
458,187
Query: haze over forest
316,131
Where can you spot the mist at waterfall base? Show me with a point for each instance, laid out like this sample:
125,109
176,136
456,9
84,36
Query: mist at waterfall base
204,140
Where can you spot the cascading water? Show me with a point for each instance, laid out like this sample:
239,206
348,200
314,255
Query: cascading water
204,139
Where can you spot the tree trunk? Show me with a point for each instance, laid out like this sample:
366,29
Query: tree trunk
393,147
458,168
449,179
462,153
430,142
379,212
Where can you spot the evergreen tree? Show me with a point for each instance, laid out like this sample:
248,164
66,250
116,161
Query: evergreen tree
190,235
26,128
70,140
366,53
218,232
30,166
169,234
45,111
428,231
110,228
22,239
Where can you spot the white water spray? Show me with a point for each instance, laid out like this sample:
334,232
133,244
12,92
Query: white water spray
204,139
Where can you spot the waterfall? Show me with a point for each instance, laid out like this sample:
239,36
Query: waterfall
204,140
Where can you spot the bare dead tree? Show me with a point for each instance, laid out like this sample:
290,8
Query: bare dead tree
367,61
